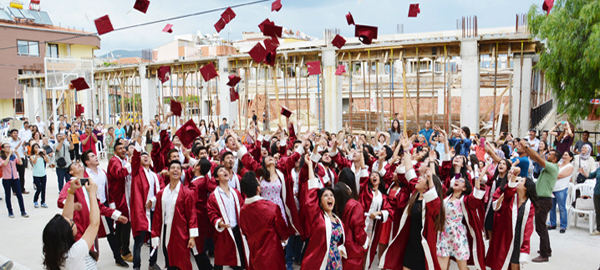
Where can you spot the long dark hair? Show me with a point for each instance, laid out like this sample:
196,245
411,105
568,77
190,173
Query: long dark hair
347,176
320,193
264,172
467,191
2,154
58,239
440,219
342,195
463,169
504,180
397,130
381,186
531,192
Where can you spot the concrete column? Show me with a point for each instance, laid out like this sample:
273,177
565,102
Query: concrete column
85,98
469,107
104,95
520,126
149,92
228,109
332,92
440,101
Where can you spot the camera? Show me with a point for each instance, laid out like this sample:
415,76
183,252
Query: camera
84,181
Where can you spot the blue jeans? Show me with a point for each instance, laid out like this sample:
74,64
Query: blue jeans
15,185
560,198
293,251
63,176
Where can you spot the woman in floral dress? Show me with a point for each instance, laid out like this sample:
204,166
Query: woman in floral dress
456,240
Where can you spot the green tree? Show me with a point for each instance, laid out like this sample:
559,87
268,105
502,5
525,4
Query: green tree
571,59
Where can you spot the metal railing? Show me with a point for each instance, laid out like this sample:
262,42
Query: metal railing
538,113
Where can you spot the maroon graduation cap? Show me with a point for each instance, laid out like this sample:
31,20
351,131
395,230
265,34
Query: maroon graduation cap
233,95
220,25
141,5
228,15
233,80
168,28
365,33
80,84
285,111
349,18
413,10
263,23
188,133
314,68
208,72
271,57
258,53
176,107
103,25
272,30
547,6
341,69
276,5
338,41
271,44
79,109
163,72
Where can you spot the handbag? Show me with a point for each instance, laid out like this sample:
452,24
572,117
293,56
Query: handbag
584,203
61,162
580,177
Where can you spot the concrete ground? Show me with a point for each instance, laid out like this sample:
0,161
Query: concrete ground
21,238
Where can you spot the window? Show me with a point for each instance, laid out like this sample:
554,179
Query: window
52,51
28,48
18,104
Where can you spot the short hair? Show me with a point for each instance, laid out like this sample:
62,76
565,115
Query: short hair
216,170
224,118
171,152
85,156
26,123
204,166
116,145
586,132
111,128
196,150
227,153
557,154
249,184
174,162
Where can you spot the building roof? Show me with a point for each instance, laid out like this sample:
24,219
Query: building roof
130,61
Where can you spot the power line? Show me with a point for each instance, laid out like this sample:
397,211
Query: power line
152,22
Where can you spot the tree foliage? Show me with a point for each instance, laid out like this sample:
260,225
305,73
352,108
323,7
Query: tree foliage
571,59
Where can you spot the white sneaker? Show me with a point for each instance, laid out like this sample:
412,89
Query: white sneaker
596,232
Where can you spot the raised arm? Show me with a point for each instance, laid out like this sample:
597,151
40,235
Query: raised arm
490,151
533,154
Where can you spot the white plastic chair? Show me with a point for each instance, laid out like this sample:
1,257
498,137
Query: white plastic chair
100,150
584,190
570,198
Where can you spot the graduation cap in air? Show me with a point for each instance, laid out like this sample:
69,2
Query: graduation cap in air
272,30
341,69
79,109
233,95
338,41
141,5
103,25
163,73
220,25
413,10
176,107
188,133
258,53
168,28
208,72
314,68
80,84
233,80
263,23
547,6
276,5
349,18
365,33
228,15
271,44
285,111
271,57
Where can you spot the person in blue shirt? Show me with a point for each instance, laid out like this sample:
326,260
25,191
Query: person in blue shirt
427,131
523,161
462,144
119,131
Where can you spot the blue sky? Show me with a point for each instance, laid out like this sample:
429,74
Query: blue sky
309,16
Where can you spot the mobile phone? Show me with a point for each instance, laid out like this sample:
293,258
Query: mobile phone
562,123
84,181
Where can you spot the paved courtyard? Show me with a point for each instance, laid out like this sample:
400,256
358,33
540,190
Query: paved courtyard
21,238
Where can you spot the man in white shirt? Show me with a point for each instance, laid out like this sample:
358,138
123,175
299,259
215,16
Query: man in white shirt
17,144
25,132
91,162
534,142
40,125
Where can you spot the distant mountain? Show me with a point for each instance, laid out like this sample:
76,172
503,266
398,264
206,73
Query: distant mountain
117,54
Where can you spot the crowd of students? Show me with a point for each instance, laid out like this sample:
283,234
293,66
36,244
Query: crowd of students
320,200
